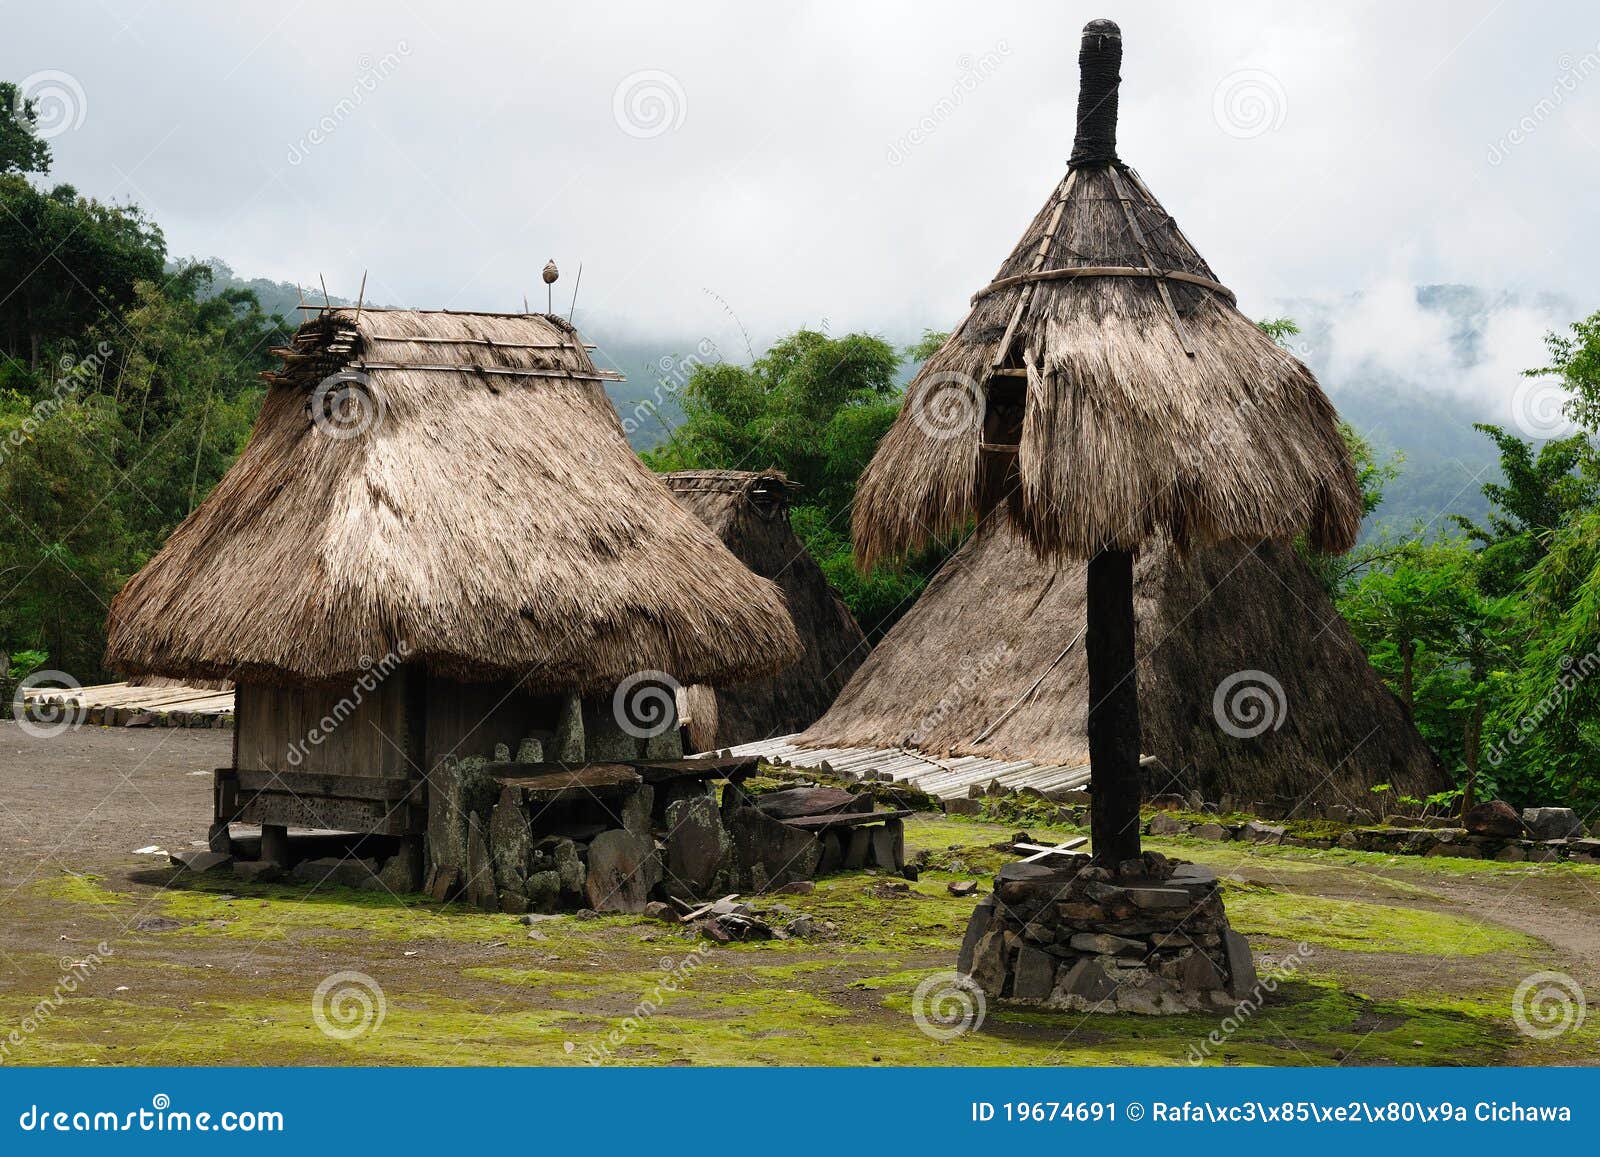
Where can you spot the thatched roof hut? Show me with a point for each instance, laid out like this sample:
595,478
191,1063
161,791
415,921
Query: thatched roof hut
466,489
1105,391
1310,722
750,513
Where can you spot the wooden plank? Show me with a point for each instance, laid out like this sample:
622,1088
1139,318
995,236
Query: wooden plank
313,783
844,820
722,767
344,815
547,782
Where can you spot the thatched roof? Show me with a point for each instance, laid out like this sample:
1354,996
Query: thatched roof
750,513
474,500
990,661
1106,388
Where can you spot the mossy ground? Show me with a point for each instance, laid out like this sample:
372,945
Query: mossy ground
1392,972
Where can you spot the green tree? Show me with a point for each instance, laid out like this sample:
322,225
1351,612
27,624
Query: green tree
21,150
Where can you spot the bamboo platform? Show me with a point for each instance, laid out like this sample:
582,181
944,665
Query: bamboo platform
123,705
942,778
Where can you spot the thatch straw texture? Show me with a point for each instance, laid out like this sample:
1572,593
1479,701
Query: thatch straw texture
1124,434
990,661
750,513
495,523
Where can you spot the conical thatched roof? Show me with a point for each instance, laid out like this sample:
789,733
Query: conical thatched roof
750,513
1106,387
990,662
460,484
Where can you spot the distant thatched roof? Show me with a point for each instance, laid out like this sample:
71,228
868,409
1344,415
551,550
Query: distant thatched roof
1105,388
750,513
471,495
990,661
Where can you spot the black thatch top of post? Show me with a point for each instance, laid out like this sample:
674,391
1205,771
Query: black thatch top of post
1099,67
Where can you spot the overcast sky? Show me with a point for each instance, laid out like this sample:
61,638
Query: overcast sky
716,166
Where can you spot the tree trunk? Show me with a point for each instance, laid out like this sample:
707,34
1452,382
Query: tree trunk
1408,651
1471,742
1113,708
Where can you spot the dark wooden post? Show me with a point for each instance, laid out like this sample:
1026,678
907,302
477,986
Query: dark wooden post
1113,709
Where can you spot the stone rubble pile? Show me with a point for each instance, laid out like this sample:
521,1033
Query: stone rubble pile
1148,936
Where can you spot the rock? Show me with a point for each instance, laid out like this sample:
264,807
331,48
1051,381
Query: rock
801,927
479,881
911,872
1069,795
1160,898
1087,980
989,962
1166,824
768,854
797,888
335,871
530,750
443,884
1262,833
502,753
963,807
200,862
666,745
257,871
402,872
858,845
1511,854
1104,944
794,802
636,808
510,840
542,892
1169,802
657,910
566,745
1035,976
560,855
156,924
977,925
623,868
889,845
1495,818
142,719
1241,965
1198,974
1209,832
1552,823
962,887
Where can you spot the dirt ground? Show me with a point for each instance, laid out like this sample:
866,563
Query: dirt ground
109,956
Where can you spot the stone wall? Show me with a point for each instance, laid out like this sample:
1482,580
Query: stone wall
1149,936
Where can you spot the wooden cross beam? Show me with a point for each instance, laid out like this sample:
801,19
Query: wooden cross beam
1041,852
